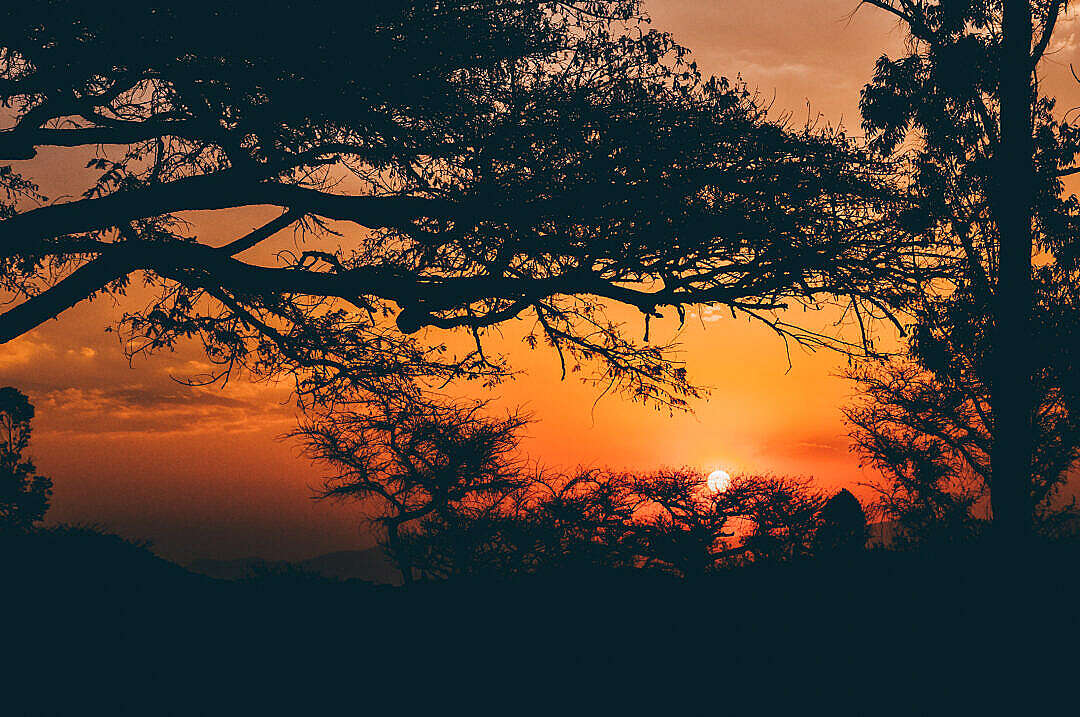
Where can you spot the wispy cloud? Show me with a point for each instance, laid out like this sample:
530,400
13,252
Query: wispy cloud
148,409
22,351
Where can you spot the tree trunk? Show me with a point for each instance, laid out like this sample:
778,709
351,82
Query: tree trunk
1011,379
393,542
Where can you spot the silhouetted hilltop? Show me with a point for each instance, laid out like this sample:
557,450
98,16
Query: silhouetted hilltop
86,555
371,565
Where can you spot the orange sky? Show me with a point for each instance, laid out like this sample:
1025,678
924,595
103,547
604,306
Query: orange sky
202,473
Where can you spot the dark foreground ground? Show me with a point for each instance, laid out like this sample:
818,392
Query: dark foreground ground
94,625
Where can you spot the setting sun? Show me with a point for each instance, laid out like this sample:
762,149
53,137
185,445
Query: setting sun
718,481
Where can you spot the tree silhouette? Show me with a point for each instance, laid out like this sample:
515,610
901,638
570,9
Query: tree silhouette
784,515
441,165
924,420
24,495
688,530
987,170
682,527
413,460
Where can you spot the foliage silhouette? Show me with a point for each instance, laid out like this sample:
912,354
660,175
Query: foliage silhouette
986,170
499,160
24,495
786,518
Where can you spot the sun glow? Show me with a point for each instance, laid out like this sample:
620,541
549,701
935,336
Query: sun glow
718,481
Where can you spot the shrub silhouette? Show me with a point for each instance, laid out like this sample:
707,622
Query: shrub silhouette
841,526
666,522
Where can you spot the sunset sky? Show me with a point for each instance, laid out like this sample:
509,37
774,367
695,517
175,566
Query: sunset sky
204,472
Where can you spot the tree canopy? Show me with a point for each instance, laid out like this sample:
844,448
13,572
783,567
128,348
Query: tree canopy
442,165
24,495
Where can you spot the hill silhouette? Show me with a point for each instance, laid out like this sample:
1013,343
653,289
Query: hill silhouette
86,555
371,565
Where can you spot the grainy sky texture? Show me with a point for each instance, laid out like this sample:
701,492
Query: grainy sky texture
202,472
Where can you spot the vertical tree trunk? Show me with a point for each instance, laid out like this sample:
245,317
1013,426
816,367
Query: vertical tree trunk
1011,389
393,542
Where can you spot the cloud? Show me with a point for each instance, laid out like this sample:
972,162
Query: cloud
814,446
153,409
712,314
1065,39
810,443
85,352
22,351
76,376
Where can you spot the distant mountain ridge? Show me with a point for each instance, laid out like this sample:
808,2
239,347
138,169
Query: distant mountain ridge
371,565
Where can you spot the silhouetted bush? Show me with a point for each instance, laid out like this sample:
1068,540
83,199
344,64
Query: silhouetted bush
841,526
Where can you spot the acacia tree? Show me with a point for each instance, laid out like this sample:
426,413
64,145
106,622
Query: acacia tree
987,170
24,495
412,461
443,165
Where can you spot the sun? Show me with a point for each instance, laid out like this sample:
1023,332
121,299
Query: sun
718,481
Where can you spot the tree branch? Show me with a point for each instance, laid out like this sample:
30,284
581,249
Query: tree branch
1047,32
77,286
225,190
20,143
117,260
